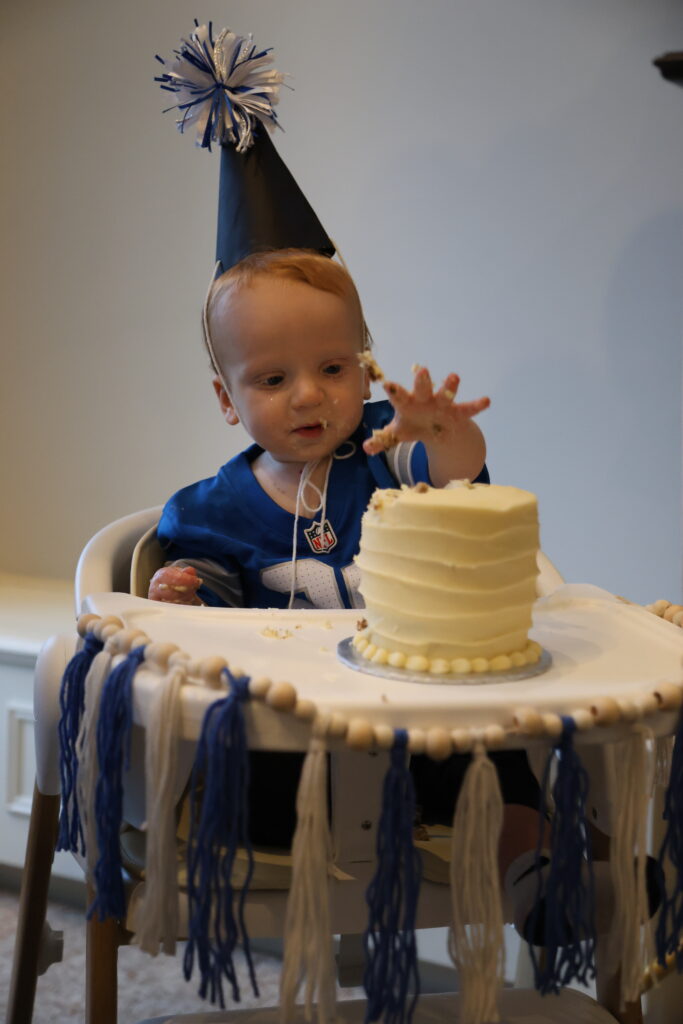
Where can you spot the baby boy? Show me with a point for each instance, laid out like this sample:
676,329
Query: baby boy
279,524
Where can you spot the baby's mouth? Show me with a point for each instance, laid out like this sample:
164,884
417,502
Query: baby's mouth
311,429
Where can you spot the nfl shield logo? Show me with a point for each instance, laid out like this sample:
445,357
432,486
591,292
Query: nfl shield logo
320,539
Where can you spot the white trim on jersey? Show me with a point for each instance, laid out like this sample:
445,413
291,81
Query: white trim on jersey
399,459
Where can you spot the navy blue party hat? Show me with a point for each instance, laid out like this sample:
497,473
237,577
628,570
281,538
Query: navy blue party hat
226,89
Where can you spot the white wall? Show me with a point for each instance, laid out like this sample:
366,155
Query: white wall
504,178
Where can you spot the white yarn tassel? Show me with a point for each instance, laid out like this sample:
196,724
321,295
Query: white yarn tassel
631,941
308,942
158,913
86,752
476,943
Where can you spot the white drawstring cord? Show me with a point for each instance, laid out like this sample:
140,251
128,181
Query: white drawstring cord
304,482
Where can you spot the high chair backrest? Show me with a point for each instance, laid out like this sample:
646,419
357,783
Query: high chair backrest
105,562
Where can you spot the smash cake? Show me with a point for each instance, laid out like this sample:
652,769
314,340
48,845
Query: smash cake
448,576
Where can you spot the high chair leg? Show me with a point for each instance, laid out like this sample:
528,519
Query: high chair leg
101,955
42,837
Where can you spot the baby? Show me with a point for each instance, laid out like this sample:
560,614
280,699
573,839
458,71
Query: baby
279,524
286,336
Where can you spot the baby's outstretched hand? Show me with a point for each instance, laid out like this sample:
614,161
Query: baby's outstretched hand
175,585
424,414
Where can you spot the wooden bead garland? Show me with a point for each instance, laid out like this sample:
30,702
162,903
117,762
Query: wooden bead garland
281,697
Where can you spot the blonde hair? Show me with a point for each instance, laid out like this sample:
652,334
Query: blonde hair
304,265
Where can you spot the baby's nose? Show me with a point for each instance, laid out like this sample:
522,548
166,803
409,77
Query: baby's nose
307,390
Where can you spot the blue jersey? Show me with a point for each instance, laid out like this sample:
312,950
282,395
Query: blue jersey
241,541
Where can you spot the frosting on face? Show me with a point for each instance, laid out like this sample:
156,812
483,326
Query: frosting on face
449,573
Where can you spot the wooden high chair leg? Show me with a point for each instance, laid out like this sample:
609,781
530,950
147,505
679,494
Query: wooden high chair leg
102,942
42,838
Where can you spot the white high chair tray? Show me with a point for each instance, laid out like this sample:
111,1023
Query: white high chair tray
600,647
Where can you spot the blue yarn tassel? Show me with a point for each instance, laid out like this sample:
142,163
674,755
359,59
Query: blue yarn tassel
569,893
113,756
218,826
669,931
389,941
71,705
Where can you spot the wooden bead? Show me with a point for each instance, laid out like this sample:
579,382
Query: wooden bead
660,606
108,631
359,734
305,710
462,740
629,711
669,696
552,725
337,725
85,623
494,737
126,639
107,620
211,670
417,741
384,736
110,620
179,657
678,619
281,697
583,719
159,653
671,611
647,705
259,688
528,721
605,711
438,744
658,970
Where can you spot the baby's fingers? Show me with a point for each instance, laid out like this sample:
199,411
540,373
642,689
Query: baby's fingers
396,392
470,409
423,386
380,440
449,388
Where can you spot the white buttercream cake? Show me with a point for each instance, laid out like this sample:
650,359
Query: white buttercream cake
448,576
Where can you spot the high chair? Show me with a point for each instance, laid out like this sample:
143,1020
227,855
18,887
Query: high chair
104,570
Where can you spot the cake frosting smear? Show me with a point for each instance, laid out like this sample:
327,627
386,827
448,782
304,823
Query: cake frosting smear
448,576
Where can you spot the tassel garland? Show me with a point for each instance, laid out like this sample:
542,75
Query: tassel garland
86,752
113,753
71,702
569,897
391,973
476,941
159,911
669,931
308,944
218,826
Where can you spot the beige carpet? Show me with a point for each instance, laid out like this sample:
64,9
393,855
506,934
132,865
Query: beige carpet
148,986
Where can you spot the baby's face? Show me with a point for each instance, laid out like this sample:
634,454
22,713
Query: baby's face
288,354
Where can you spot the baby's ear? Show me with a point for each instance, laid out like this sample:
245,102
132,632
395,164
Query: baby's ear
367,393
225,402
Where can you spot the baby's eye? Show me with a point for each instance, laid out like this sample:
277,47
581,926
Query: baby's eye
332,369
273,380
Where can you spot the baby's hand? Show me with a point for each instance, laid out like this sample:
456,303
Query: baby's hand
424,414
175,585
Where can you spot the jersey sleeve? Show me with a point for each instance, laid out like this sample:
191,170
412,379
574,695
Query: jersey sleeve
189,537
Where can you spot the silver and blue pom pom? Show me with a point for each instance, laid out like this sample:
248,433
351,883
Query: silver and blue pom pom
224,87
